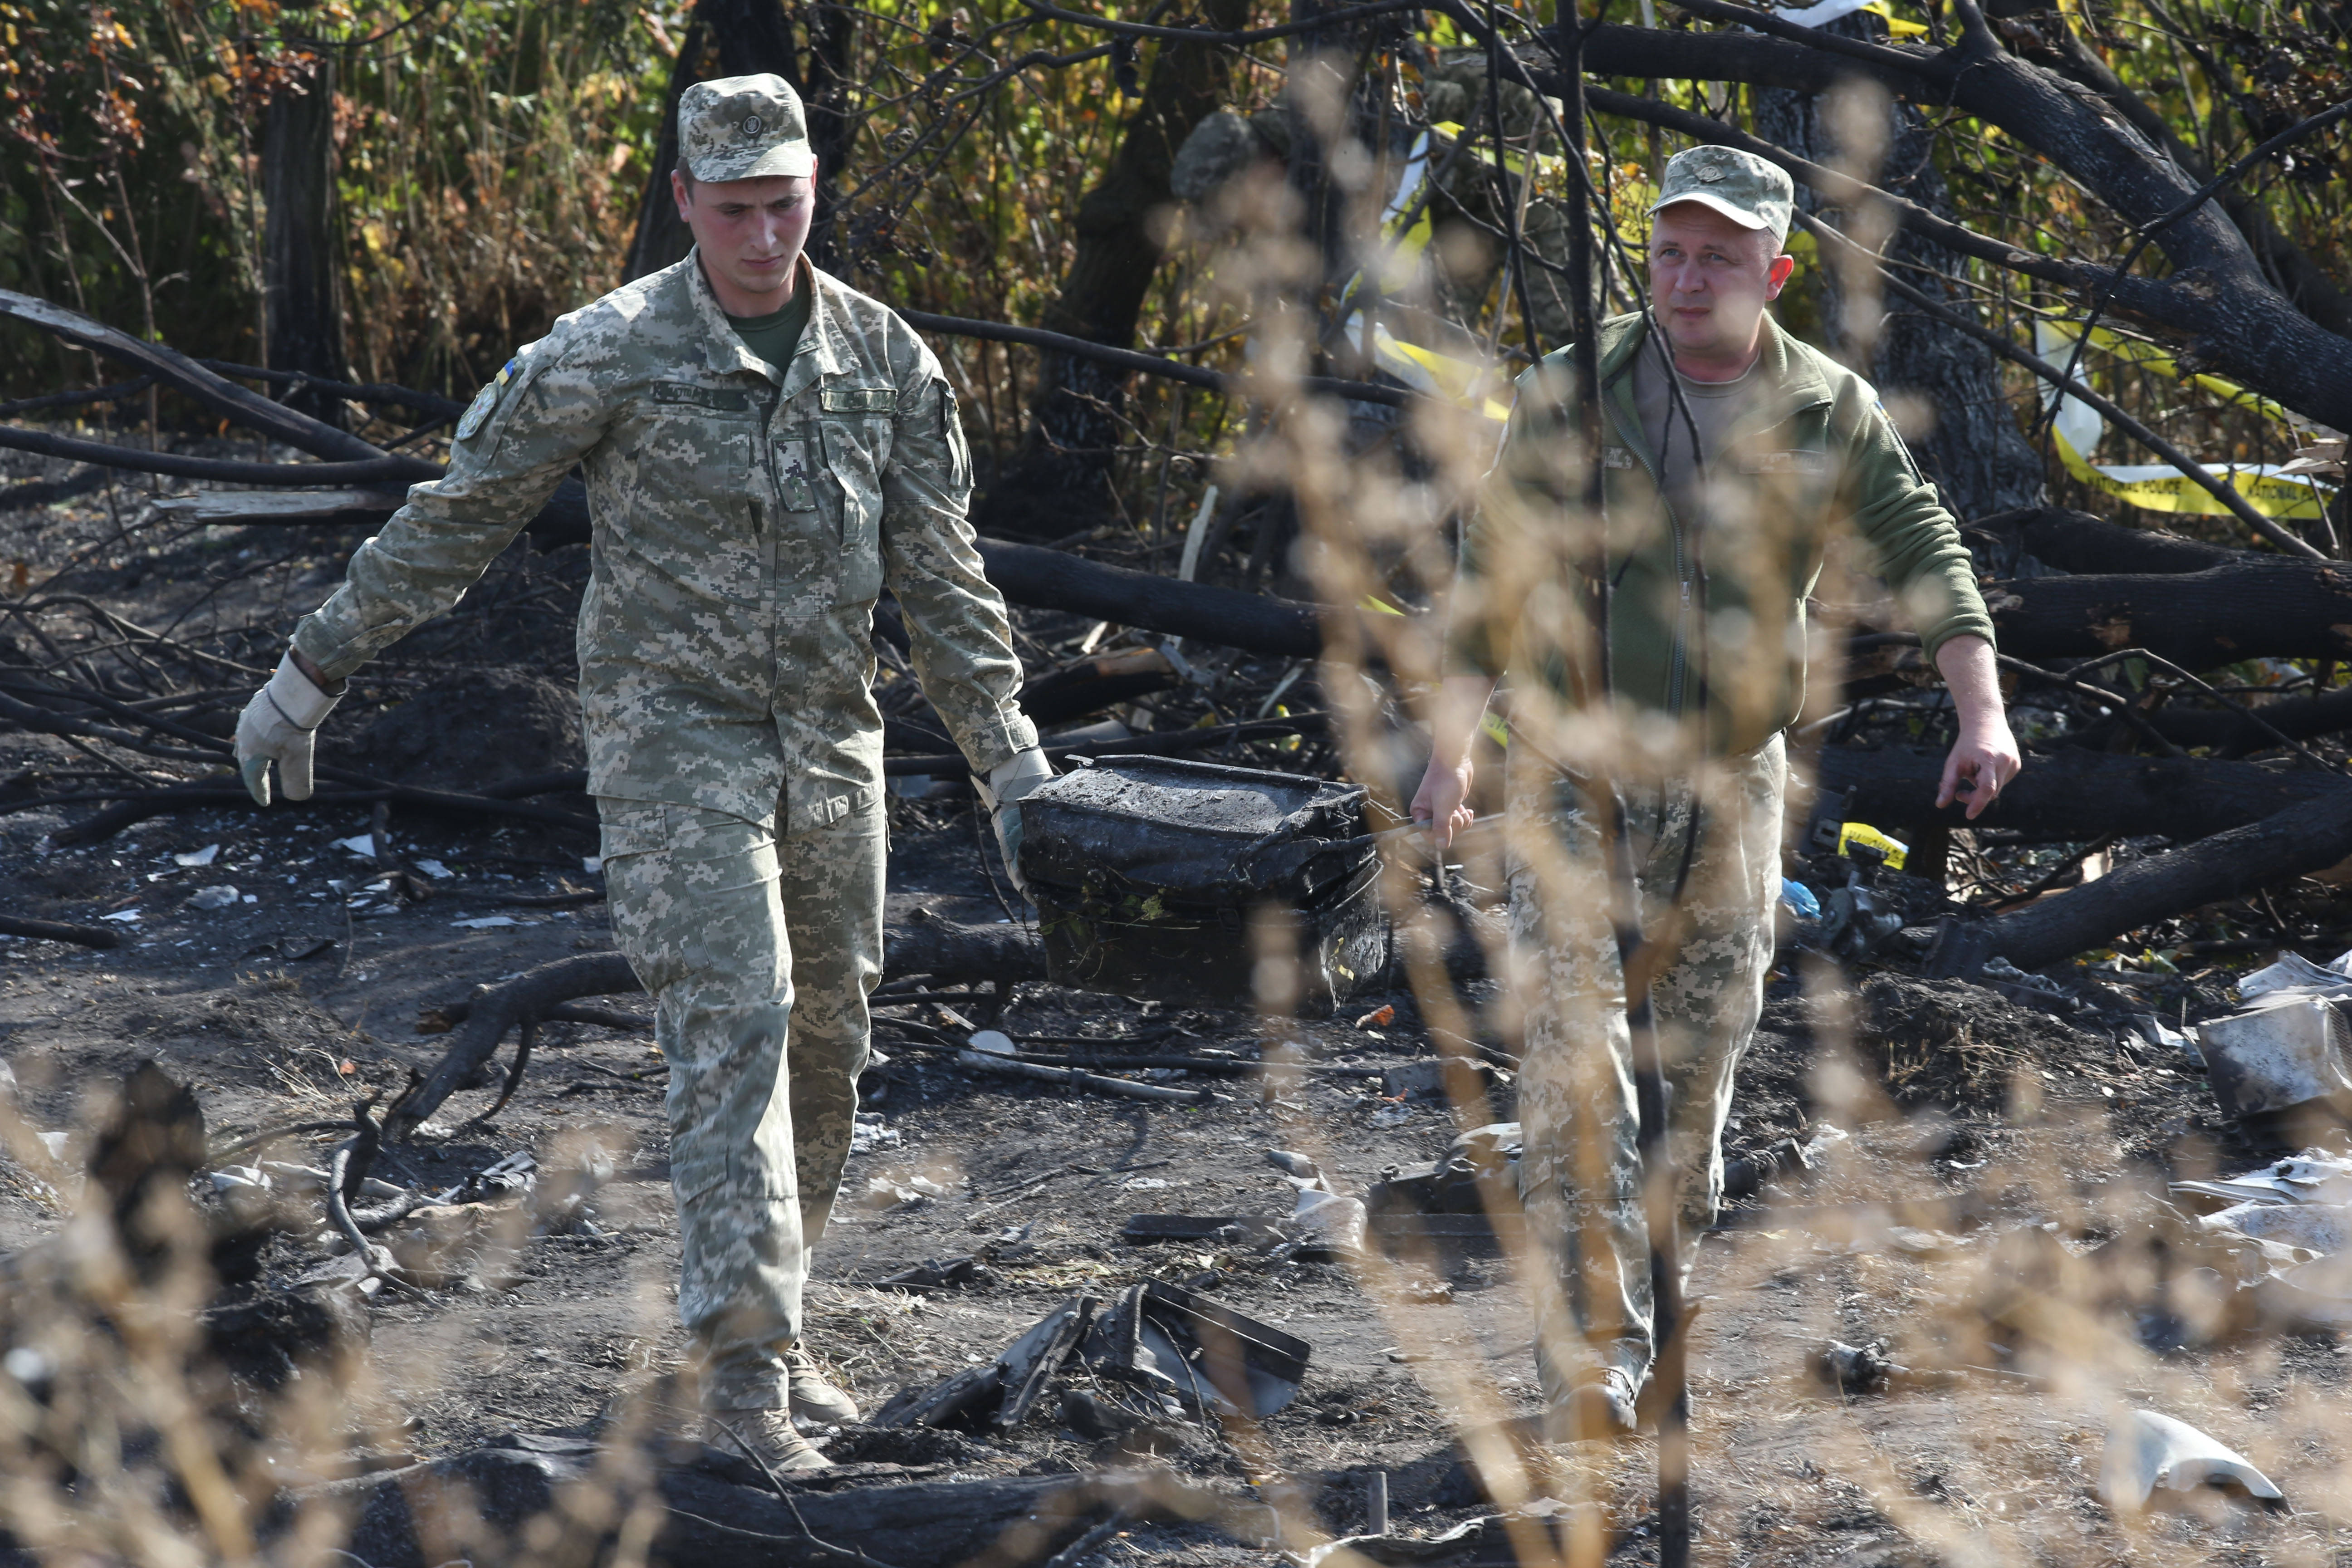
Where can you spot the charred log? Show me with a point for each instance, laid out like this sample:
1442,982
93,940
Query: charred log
2078,795
2303,838
2249,607
1049,579
2078,542
717,1512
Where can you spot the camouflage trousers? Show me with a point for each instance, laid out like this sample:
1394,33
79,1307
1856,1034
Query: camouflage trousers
1718,836
759,949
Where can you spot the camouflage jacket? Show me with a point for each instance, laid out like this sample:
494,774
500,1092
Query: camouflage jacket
746,516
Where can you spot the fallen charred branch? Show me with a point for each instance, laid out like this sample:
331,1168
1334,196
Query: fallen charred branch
934,947
2307,837
2074,795
1053,580
59,931
719,1512
133,808
2078,542
2251,607
1070,1077
2233,735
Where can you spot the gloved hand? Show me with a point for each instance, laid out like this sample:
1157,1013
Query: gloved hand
278,726
1007,783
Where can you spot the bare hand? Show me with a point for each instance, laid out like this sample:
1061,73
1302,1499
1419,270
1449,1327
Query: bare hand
1983,760
1442,804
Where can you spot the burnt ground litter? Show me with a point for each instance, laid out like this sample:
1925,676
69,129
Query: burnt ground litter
1903,1152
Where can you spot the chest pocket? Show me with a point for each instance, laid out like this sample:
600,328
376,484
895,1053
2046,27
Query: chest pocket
854,427
690,519
1795,482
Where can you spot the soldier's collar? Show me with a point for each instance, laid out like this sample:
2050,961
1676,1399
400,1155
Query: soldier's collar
722,349
821,352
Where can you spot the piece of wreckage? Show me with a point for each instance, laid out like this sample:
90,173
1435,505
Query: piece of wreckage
1174,1358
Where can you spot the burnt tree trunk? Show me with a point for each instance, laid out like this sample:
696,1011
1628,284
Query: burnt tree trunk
824,87
725,38
1947,384
1060,482
304,317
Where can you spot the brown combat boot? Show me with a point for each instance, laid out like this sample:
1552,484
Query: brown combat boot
814,1399
767,1437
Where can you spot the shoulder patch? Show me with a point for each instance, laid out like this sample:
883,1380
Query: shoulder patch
485,401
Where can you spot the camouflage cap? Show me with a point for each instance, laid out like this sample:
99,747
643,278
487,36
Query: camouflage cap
1743,187
743,128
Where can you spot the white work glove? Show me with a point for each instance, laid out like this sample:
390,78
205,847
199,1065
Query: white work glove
278,726
1007,783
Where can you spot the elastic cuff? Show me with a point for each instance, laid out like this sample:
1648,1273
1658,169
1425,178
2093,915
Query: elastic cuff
335,663
292,692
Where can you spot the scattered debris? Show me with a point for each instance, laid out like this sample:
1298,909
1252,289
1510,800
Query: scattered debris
1855,1369
1451,1199
938,1274
868,1133
1242,1229
1328,1224
1210,1359
2278,1059
2147,1453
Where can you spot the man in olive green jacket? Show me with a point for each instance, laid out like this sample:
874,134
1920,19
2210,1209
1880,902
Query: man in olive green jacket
1732,456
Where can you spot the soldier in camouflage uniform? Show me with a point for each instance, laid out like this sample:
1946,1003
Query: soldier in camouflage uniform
765,451
1719,501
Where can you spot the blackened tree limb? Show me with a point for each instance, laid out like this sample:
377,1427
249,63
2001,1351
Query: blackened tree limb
2256,608
374,392
2074,795
177,370
173,799
223,470
2078,542
2311,290
59,931
2234,734
2307,837
1051,579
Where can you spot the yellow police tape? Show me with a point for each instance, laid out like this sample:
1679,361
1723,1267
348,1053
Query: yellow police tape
2159,486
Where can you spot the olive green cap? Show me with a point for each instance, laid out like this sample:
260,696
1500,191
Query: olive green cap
1743,187
743,128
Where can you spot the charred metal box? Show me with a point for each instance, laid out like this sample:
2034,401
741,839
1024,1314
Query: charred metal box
1146,871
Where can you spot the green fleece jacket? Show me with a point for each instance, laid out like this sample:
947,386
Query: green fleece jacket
1814,456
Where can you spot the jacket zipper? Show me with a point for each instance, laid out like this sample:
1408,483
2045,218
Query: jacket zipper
1677,653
